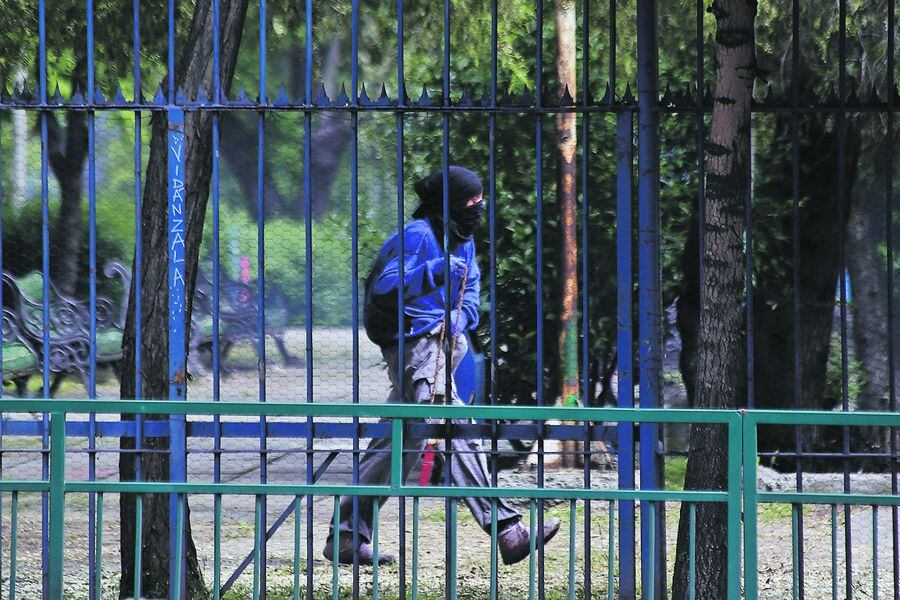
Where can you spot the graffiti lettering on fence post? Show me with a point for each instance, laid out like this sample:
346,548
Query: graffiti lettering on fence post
176,219
175,149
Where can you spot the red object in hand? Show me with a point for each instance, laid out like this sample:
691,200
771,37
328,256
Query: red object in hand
427,465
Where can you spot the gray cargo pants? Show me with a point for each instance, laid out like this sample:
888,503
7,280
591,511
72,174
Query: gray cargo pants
468,467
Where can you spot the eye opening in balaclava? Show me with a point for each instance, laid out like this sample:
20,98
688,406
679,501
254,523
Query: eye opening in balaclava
463,185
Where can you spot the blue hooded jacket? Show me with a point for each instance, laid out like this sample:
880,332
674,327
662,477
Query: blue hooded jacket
424,293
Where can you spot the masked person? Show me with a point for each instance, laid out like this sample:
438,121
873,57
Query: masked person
424,366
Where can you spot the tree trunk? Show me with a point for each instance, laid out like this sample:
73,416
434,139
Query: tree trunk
773,309
67,154
196,68
866,233
566,145
330,139
720,361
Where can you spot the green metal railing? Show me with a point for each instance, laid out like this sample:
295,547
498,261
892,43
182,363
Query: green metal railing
741,497
753,498
58,486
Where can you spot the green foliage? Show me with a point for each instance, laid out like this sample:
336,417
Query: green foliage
516,195
285,262
22,242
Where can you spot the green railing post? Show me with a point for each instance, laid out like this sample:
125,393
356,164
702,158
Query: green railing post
396,453
57,503
735,438
751,590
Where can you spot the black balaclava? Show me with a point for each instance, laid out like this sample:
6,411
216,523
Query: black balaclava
463,186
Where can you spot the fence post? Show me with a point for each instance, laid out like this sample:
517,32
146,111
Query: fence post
735,441
177,298
57,504
625,336
749,492
650,301
396,453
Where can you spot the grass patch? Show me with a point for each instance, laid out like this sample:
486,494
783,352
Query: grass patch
675,469
437,515
776,512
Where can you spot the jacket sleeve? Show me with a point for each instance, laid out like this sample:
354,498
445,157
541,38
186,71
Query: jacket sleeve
418,278
472,293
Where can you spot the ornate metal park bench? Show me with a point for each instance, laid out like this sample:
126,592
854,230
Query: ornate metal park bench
69,327
69,331
238,319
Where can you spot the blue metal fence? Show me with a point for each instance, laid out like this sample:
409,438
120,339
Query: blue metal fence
175,104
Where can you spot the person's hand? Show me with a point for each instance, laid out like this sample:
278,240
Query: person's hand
459,322
436,267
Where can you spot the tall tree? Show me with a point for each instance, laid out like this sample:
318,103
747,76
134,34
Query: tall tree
331,137
195,70
566,146
720,362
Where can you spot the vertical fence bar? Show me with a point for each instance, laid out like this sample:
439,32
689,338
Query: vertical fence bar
751,582
875,552
699,75
795,224
375,528
217,546
257,547
216,365
539,270
748,271
692,551
178,578
45,286
585,279
177,301
449,503
572,529
611,559
335,519
624,322
138,313
261,294
842,280
834,550
298,533
98,569
170,56
889,276
648,587
415,550
494,574
492,229
650,347
733,533
795,553
13,543
396,453
57,504
308,255
93,526
531,543
401,308
138,541
354,268
624,341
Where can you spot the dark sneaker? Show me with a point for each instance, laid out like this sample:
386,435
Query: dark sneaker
514,540
345,552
